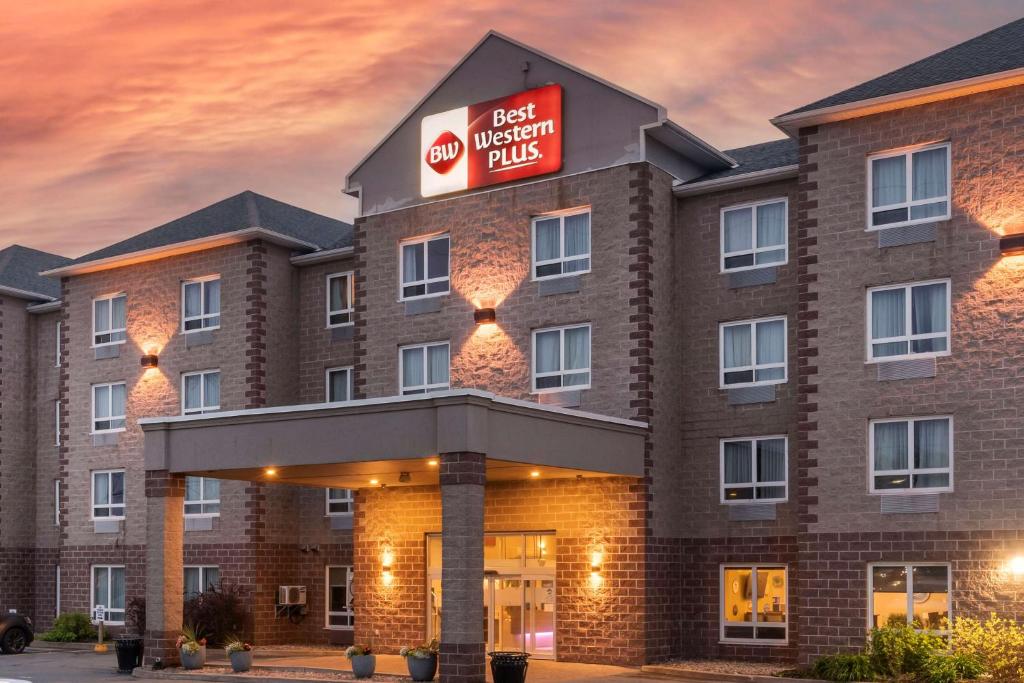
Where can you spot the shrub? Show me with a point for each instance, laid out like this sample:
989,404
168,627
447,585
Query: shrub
843,667
948,668
424,651
70,627
996,644
135,615
358,651
897,649
222,611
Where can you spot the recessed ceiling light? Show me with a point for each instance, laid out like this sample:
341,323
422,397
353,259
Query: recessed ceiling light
432,462
374,482
535,473
270,471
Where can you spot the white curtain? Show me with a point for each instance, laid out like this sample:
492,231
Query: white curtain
547,352
888,181
736,346
192,581
101,314
437,361
101,583
771,225
771,342
193,397
891,446
738,463
212,294
117,399
771,460
193,299
212,389
101,402
547,239
931,444
101,489
117,588
577,348
212,578
887,313
928,313
117,314
339,293
412,367
211,489
412,262
339,385
738,230
929,169
193,488
577,234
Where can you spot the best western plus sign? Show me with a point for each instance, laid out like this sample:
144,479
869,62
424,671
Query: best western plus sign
492,142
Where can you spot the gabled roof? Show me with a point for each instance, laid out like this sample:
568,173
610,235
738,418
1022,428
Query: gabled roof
763,162
978,59
19,273
246,215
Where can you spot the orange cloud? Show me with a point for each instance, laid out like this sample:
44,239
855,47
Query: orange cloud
117,115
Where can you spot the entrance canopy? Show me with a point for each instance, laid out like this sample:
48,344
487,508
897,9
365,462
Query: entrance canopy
394,441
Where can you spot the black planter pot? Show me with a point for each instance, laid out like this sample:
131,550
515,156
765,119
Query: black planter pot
509,667
129,653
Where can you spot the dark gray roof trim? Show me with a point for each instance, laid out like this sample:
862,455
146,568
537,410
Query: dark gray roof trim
19,273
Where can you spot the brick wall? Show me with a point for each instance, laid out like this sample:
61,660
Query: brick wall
318,350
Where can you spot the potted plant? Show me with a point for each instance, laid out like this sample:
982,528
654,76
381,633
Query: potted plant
192,647
364,662
421,660
240,654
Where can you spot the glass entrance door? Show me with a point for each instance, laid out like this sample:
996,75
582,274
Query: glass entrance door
519,615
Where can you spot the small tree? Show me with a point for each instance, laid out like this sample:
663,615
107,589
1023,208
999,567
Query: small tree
223,612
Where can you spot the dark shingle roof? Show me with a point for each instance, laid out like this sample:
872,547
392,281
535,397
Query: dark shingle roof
990,53
20,267
759,157
244,210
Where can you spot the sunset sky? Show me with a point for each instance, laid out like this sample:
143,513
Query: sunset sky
119,115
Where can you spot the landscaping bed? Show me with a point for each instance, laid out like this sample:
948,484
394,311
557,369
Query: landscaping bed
268,674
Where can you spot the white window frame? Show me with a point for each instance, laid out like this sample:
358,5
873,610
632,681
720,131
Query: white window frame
203,569
754,367
754,483
562,258
908,318
56,362
328,500
753,566
402,284
327,598
754,250
351,310
204,315
909,566
111,417
92,592
202,392
911,470
110,315
202,502
327,382
56,422
108,505
908,152
561,329
427,388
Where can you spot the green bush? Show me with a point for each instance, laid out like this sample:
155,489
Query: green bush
70,627
843,667
898,650
223,612
949,668
996,645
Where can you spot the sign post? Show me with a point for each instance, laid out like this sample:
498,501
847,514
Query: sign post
99,613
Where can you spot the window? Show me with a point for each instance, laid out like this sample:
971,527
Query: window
200,579
561,359
754,604
908,321
340,295
754,235
56,502
56,357
200,392
754,469
423,368
340,611
753,352
908,187
200,304
108,494
108,321
202,497
56,422
911,454
108,591
339,502
108,404
425,267
915,594
561,245
339,384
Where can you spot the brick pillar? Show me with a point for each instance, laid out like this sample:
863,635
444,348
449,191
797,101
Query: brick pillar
462,657
165,531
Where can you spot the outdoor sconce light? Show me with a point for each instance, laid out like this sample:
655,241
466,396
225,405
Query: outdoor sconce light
149,360
405,477
387,558
1012,245
1016,566
484,316
596,560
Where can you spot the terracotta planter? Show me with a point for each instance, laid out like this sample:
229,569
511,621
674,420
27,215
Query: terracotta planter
363,666
194,660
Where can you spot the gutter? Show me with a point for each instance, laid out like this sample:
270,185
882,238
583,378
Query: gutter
729,182
47,307
25,294
321,256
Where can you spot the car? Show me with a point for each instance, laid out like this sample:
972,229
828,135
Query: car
15,633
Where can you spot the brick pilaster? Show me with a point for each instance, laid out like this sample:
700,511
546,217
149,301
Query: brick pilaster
256,325
359,333
165,531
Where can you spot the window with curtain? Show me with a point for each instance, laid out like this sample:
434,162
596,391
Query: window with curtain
339,502
108,407
909,187
108,494
202,497
340,610
108,322
753,353
754,235
911,454
424,267
908,320
200,392
423,368
201,579
914,594
200,304
754,470
561,358
340,297
755,603
339,384
561,244
108,591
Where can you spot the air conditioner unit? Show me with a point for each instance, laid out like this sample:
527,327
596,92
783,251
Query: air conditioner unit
291,595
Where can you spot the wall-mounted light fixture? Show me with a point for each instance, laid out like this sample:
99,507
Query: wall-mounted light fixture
484,316
404,477
149,360
387,559
1012,245
596,560
1016,566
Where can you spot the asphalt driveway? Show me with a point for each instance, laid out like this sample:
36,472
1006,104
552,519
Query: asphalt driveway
62,666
